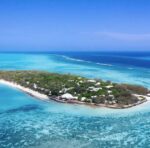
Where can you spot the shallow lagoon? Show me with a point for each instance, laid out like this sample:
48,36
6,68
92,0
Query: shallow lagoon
28,122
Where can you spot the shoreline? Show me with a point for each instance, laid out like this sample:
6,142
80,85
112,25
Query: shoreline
26,90
44,97
115,106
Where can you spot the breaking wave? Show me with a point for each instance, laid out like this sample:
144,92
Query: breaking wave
79,60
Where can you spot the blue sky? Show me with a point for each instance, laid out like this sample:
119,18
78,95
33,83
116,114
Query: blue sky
44,25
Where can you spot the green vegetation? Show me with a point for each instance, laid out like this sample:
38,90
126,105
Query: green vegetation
83,89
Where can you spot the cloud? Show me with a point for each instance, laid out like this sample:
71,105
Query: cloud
124,36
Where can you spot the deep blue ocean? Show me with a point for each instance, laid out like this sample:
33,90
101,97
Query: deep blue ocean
26,122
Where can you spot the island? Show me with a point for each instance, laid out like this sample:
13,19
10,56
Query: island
67,88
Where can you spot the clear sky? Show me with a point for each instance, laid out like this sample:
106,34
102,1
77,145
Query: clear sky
43,25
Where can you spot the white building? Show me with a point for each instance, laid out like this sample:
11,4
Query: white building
35,86
109,86
93,81
68,96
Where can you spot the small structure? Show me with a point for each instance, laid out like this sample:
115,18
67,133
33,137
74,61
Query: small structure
148,95
93,96
93,81
83,98
97,84
109,91
94,88
50,93
27,83
35,86
67,96
109,86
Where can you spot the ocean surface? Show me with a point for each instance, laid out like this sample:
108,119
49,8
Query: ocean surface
26,122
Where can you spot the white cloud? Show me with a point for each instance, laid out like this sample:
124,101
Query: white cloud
124,36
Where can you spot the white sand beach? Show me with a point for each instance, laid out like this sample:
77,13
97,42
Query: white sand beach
27,90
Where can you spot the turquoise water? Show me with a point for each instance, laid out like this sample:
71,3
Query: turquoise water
28,122
65,64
